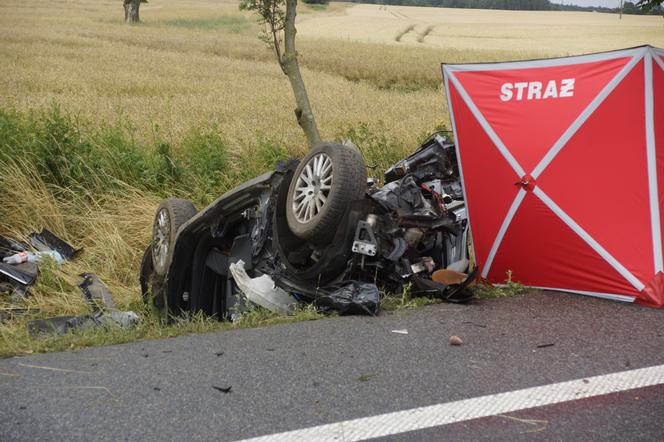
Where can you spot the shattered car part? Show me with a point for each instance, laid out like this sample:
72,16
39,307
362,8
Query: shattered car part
262,290
95,292
10,246
400,233
101,304
365,240
350,297
61,325
47,241
24,273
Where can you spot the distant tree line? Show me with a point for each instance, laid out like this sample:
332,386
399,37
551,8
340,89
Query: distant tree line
520,5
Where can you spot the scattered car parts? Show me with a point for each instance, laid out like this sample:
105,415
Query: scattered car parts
102,307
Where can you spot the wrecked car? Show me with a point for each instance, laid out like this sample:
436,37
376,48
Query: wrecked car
316,230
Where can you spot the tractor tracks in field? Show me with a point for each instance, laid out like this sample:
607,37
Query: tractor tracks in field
411,29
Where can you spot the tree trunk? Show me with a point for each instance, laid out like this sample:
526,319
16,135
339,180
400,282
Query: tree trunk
289,64
131,10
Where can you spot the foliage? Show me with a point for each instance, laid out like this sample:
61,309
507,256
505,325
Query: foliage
650,5
234,24
272,18
508,288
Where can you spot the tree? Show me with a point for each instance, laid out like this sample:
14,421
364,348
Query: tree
278,19
649,5
131,8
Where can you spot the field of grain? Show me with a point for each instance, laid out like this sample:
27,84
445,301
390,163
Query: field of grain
99,120
513,33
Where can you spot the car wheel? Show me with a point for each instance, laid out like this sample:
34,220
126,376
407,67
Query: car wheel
171,214
327,179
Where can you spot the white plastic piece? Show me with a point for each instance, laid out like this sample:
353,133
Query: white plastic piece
262,290
124,319
22,257
459,266
400,332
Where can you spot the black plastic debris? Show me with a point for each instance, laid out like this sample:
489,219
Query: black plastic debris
24,273
10,246
60,324
404,196
63,324
18,264
223,389
46,241
350,297
11,313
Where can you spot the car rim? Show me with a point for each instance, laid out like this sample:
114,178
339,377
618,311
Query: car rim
312,188
162,235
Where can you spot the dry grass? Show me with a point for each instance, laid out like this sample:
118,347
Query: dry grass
519,32
197,66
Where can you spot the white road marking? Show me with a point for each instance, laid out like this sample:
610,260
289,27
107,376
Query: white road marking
458,411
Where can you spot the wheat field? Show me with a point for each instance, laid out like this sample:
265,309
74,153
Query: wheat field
194,88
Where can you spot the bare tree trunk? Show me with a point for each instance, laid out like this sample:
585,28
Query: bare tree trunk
131,10
621,8
290,66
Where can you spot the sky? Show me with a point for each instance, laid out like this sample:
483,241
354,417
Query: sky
607,3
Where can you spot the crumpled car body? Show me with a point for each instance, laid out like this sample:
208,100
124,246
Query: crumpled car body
401,233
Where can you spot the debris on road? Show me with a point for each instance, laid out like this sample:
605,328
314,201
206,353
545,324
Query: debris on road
400,332
223,389
349,297
455,340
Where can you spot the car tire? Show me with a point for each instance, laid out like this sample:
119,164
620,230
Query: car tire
327,179
171,214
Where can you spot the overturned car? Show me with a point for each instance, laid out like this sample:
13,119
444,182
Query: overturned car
316,230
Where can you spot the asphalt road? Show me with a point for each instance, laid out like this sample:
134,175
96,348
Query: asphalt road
292,376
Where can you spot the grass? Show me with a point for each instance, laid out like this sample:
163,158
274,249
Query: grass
508,289
235,24
99,121
403,32
422,35
16,340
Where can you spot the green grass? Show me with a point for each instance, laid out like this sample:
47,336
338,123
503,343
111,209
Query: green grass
316,7
16,340
232,23
508,289
97,186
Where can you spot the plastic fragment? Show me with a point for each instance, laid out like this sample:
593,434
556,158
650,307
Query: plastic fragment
262,290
